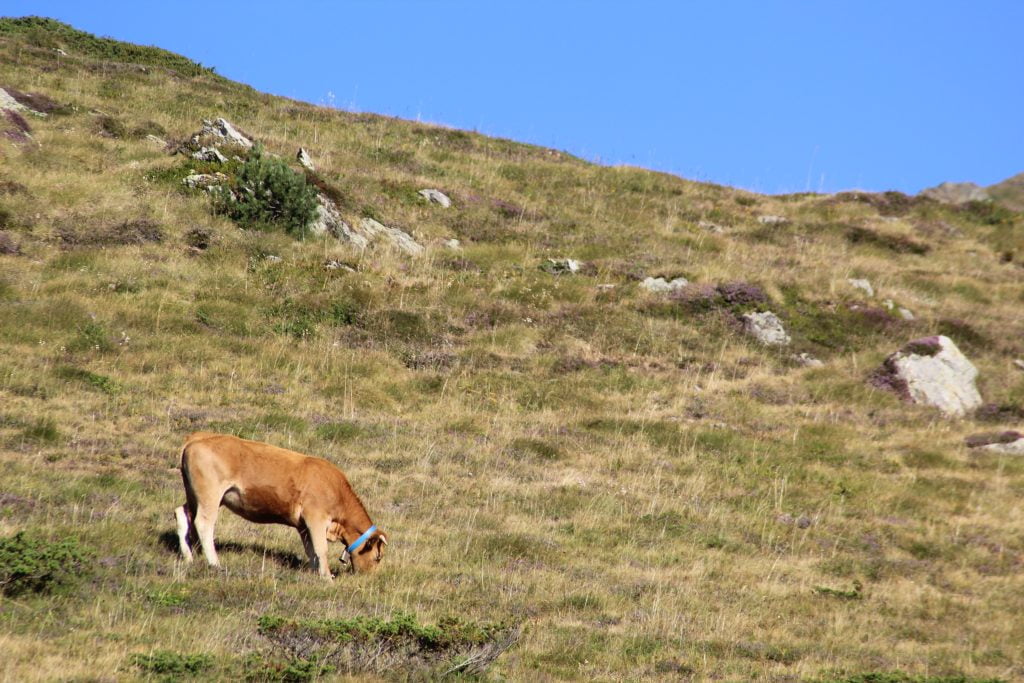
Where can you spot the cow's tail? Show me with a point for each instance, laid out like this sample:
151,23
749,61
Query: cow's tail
186,479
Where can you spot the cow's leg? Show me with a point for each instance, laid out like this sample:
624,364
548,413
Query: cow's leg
186,533
205,520
307,545
317,530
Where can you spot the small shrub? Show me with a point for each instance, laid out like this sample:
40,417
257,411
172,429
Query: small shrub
32,565
173,664
111,127
267,193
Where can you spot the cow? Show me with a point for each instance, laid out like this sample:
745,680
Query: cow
270,485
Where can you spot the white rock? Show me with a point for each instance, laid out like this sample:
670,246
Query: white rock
270,258
305,159
606,287
766,328
328,221
205,181
932,371
772,220
7,101
905,313
661,285
436,197
453,244
1005,443
401,239
556,266
157,141
864,285
333,264
1019,364
221,128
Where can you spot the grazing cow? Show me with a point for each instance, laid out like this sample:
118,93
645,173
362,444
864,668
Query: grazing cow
270,485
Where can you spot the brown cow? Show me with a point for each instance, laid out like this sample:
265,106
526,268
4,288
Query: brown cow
270,485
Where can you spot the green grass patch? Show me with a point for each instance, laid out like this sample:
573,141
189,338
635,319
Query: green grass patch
100,383
30,564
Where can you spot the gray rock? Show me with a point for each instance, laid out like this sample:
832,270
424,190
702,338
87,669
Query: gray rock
714,228
660,285
328,221
157,141
399,238
955,193
222,128
934,372
270,258
436,197
204,181
304,159
334,264
772,220
7,101
453,244
1019,364
807,360
905,313
766,328
557,266
862,284
209,154
1005,443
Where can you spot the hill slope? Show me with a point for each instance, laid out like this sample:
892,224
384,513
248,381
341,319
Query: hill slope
648,491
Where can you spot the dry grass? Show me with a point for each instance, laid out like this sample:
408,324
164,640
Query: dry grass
649,493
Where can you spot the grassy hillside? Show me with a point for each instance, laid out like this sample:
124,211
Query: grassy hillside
647,492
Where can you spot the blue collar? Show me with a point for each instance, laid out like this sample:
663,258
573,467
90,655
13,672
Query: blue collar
362,539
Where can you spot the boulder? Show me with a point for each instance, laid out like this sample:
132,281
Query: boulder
766,328
660,285
222,129
862,284
7,101
399,238
209,154
436,197
932,371
304,159
955,193
558,266
204,181
328,221
1007,443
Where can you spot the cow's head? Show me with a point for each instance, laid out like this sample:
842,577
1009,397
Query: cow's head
368,555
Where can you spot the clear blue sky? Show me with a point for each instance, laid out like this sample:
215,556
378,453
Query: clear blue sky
772,96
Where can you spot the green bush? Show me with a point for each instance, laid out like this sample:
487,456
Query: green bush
266,193
33,565
173,664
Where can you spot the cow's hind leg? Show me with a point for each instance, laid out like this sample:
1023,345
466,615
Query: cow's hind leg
205,520
186,532
307,545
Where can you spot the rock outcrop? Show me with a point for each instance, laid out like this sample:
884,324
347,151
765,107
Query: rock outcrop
660,285
209,154
222,130
328,221
766,328
934,372
436,197
375,230
1006,443
303,158
7,101
955,193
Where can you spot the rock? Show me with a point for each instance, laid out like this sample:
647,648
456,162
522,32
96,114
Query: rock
205,181
934,372
328,221
157,141
906,314
558,266
271,258
436,197
209,154
711,227
221,128
1019,364
1007,443
660,285
863,285
606,287
807,360
304,159
766,328
401,239
333,264
453,244
955,193
7,101
772,220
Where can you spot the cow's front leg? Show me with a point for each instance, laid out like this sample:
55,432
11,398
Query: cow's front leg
317,535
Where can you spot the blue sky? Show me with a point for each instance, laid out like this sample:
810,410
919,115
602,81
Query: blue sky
770,96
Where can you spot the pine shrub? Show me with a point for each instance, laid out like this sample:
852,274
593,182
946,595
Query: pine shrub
267,194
